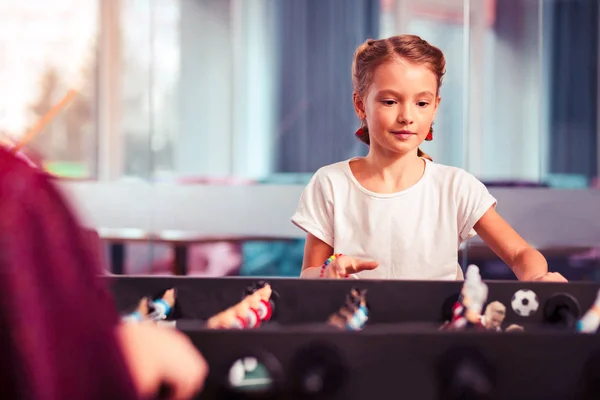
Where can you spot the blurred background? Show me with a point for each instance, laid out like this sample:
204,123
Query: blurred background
198,122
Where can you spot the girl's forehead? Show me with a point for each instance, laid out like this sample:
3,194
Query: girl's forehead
398,74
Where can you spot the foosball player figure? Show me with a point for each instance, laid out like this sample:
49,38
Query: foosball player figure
256,307
140,314
156,310
234,317
341,318
267,303
353,315
254,302
494,315
466,312
361,312
591,319
161,308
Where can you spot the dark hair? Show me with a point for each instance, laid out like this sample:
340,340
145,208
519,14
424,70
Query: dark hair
372,53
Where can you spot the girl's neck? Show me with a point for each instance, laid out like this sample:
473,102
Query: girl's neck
389,174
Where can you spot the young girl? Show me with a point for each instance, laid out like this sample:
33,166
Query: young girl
396,206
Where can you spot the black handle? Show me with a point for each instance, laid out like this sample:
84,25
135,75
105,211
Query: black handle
465,374
318,371
562,311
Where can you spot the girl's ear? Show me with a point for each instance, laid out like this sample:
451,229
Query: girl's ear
359,106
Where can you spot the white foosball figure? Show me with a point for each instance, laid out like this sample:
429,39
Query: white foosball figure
472,275
476,295
467,311
591,319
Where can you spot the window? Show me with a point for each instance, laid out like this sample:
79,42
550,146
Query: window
149,76
254,89
45,51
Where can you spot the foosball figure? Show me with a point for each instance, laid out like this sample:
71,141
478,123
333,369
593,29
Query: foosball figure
240,314
466,312
354,314
494,315
267,303
161,308
234,317
361,311
255,308
156,310
140,313
591,319
254,302
340,318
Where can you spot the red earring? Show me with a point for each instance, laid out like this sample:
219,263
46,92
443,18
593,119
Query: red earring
429,136
360,132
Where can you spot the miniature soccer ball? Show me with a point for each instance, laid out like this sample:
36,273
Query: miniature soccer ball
525,302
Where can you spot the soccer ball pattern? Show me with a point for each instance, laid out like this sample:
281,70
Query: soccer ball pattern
525,302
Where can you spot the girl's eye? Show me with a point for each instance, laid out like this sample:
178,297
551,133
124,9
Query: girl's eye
422,104
389,102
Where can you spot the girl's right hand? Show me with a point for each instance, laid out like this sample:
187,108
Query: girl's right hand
344,266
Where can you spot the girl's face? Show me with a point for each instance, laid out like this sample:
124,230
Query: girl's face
399,106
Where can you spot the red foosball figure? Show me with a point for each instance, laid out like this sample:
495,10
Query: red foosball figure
265,310
232,318
255,308
254,302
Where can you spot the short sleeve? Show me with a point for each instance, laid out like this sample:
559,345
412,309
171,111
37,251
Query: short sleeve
314,214
474,200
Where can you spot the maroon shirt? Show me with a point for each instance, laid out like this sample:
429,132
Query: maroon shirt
57,320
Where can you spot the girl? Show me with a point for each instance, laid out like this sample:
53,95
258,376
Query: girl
395,206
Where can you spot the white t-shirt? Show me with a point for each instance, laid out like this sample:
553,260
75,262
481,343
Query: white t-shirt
412,234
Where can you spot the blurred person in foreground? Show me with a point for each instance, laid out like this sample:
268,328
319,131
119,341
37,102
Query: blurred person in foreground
61,336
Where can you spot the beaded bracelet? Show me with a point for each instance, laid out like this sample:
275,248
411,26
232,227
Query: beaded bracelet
327,262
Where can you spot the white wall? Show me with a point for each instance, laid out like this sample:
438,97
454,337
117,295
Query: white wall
544,217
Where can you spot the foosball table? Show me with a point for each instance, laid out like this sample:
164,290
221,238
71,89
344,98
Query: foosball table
530,340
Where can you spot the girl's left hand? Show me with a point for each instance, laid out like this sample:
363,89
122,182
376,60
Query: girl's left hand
550,277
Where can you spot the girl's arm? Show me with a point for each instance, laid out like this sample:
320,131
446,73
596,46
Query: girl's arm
316,252
527,263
